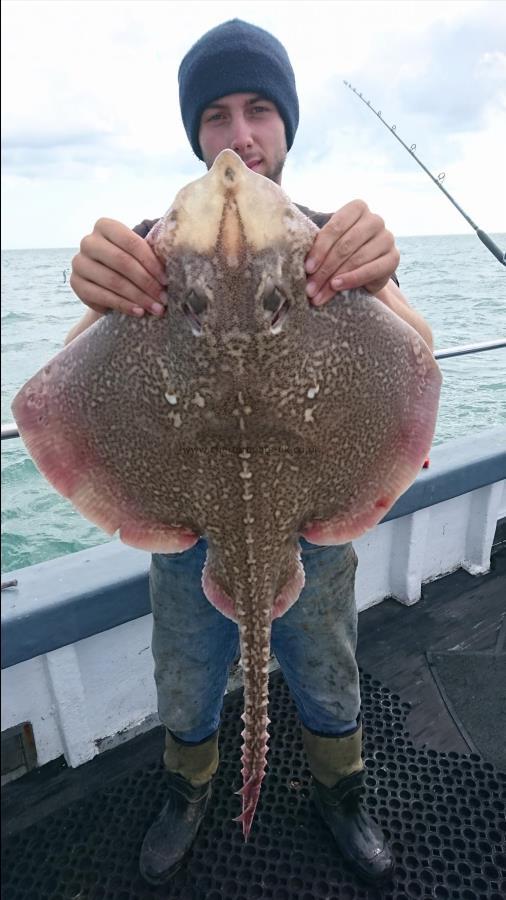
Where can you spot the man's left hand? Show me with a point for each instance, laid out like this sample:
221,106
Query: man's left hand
354,249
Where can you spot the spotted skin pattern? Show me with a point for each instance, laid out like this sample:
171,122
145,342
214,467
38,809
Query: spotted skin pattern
244,414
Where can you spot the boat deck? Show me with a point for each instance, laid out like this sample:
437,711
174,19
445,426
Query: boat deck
433,678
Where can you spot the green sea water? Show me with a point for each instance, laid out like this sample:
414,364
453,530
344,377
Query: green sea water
452,280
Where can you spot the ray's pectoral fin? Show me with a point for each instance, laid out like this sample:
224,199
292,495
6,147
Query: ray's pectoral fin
366,504
156,537
393,454
64,452
348,526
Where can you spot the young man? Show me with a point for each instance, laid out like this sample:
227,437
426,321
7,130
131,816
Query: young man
237,90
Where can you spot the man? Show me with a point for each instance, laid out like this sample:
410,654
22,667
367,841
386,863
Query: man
237,90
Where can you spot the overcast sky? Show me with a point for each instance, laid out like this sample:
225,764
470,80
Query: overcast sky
91,124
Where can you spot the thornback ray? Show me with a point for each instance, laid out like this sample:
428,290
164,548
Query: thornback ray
244,415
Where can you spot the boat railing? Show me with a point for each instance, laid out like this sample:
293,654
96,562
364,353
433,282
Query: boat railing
10,430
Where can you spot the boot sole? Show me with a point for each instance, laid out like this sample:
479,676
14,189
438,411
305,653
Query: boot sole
163,879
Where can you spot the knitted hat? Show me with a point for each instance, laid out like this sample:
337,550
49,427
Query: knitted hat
234,58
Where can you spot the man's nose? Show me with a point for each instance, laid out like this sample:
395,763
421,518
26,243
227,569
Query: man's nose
241,135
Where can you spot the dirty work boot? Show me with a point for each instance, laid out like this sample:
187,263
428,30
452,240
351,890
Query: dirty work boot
338,774
190,768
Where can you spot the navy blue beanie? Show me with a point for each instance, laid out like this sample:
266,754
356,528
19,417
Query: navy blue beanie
236,58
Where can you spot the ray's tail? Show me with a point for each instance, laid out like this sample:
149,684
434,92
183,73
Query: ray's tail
255,649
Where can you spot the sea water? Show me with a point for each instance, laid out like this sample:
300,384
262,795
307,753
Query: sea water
453,281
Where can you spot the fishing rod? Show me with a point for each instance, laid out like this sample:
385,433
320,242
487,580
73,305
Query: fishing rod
483,236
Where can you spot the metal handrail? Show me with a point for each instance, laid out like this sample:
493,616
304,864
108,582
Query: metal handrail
10,431
470,348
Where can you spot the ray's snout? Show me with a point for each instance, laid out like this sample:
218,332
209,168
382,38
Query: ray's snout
229,168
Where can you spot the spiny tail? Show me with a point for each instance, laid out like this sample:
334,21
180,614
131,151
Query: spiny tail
255,649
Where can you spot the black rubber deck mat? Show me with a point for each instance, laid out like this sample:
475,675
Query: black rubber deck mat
473,687
444,814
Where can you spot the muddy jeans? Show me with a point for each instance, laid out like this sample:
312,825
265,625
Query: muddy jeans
194,645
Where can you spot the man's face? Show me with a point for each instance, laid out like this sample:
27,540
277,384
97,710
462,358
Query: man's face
249,125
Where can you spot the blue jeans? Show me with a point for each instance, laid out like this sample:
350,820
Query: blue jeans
314,642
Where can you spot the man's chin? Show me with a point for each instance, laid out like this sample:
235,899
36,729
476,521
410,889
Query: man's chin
272,172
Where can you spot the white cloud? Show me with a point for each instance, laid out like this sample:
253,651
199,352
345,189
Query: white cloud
91,122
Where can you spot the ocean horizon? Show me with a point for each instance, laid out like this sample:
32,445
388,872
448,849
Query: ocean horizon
496,235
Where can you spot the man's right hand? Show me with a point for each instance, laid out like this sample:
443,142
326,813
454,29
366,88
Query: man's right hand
117,269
